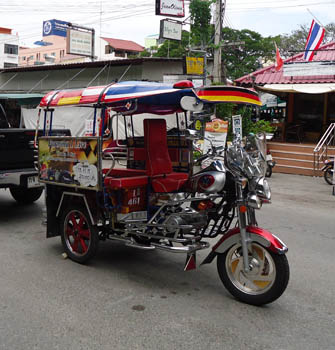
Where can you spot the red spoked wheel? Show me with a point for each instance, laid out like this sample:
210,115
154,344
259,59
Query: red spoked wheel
79,237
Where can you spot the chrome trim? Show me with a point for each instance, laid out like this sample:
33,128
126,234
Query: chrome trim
77,195
187,249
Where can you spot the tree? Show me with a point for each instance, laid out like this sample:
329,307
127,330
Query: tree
174,48
201,29
248,54
294,43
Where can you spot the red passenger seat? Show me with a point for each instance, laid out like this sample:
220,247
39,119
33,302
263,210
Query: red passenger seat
158,162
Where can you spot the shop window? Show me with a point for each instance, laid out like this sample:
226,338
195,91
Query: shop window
11,49
9,65
120,53
108,49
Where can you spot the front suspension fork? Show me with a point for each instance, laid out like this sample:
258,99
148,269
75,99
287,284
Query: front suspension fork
242,212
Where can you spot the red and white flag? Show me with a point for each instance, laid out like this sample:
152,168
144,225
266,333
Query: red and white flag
279,61
314,40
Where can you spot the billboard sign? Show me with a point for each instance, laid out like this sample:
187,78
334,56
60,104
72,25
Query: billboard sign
79,42
170,30
297,69
195,65
170,8
55,27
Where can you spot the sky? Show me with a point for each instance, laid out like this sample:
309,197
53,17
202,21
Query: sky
136,19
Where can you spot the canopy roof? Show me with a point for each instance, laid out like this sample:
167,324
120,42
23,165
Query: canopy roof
301,88
23,99
150,97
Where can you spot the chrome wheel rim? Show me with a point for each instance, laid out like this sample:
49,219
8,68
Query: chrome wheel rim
77,233
262,274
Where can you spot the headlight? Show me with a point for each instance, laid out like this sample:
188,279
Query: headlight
263,189
254,201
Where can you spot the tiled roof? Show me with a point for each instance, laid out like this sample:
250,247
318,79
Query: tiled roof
269,75
126,45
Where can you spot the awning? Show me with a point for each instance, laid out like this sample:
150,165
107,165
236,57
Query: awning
299,88
23,99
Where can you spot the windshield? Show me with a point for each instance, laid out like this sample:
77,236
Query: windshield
247,158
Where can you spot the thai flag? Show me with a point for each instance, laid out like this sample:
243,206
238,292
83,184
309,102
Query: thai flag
314,40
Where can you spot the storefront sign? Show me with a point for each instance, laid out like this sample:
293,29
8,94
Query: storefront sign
79,43
55,27
170,29
170,8
297,69
195,65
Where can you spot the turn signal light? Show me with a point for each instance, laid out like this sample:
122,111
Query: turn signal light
243,209
203,205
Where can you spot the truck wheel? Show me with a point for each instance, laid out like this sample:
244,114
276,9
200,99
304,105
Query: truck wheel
25,195
80,238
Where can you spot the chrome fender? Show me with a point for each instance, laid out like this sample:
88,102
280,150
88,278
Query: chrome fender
257,234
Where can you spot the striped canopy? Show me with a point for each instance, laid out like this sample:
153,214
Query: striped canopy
149,96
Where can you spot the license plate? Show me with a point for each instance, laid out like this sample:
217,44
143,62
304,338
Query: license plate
32,181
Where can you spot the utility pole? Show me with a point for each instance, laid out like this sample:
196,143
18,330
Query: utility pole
217,39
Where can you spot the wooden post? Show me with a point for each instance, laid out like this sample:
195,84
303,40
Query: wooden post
290,115
325,111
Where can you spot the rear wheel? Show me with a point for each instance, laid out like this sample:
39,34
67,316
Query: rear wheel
80,238
328,175
264,283
25,195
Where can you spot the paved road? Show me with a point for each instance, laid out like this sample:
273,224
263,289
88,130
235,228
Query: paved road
130,299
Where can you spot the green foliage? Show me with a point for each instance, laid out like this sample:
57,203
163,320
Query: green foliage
261,126
200,13
196,155
245,57
173,48
145,53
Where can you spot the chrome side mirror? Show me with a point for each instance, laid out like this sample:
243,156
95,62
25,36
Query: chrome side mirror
192,134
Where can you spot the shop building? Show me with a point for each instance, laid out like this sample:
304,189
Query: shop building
9,48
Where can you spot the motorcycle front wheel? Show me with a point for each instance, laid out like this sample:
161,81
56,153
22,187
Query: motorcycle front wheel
264,283
328,175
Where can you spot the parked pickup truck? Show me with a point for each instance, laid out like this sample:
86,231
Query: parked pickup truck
17,170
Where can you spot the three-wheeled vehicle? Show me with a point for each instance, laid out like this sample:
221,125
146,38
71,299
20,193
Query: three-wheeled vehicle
154,200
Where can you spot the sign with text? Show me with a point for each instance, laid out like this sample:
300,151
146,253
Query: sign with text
79,43
237,124
70,162
194,65
297,69
170,30
216,130
170,8
55,27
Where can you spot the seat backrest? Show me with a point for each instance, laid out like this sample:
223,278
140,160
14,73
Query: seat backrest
158,161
